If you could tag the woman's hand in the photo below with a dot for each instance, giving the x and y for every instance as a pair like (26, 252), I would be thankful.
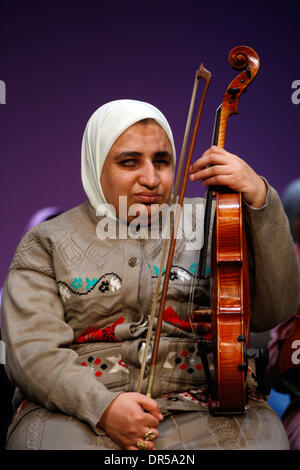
(219, 167)
(129, 417)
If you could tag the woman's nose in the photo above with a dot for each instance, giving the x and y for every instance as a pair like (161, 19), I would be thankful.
(149, 176)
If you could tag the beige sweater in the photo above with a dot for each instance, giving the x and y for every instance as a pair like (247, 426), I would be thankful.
(65, 286)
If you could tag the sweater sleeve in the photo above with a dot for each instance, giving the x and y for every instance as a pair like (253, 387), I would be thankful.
(274, 270)
(36, 335)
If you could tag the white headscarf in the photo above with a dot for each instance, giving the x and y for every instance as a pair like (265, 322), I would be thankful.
(103, 128)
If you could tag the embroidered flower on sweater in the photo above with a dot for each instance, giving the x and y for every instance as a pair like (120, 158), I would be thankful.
(103, 334)
(183, 275)
(90, 283)
(104, 286)
(113, 364)
(107, 282)
(115, 284)
(76, 283)
(64, 292)
(194, 268)
(200, 396)
(156, 270)
(173, 276)
(171, 317)
(188, 361)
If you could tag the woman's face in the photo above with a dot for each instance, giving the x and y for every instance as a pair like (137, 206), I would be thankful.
(139, 166)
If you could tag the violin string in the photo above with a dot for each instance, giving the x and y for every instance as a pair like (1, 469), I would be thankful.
(191, 300)
(165, 245)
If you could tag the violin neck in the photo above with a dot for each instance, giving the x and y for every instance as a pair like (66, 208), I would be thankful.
(215, 139)
(208, 203)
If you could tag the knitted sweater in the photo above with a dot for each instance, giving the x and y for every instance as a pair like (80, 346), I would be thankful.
(75, 308)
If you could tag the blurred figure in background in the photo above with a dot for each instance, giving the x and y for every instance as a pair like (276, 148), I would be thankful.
(6, 387)
(41, 215)
(291, 204)
(282, 333)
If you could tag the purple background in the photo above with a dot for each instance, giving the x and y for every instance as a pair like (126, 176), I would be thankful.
(62, 60)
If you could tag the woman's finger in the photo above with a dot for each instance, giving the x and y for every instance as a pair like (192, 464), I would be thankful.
(141, 444)
(211, 171)
(150, 405)
(216, 150)
(209, 160)
(151, 434)
(220, 180)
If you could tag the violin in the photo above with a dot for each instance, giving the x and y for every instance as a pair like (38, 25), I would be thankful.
(230, 291)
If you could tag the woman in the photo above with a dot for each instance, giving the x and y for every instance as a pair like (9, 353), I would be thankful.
(76, 307)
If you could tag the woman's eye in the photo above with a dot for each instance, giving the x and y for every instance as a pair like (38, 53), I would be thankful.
(162, 161)
(128, 162)
(134, 162)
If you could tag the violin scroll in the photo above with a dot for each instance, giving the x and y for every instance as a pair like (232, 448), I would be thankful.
(241, 57)
(246, 60)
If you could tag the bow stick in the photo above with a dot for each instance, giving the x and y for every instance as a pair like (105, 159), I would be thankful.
(165, 245)
(206, 75)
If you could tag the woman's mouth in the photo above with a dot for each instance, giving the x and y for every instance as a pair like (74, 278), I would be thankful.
(146, 198)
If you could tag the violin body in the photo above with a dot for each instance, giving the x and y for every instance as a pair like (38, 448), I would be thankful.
(230, 305)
